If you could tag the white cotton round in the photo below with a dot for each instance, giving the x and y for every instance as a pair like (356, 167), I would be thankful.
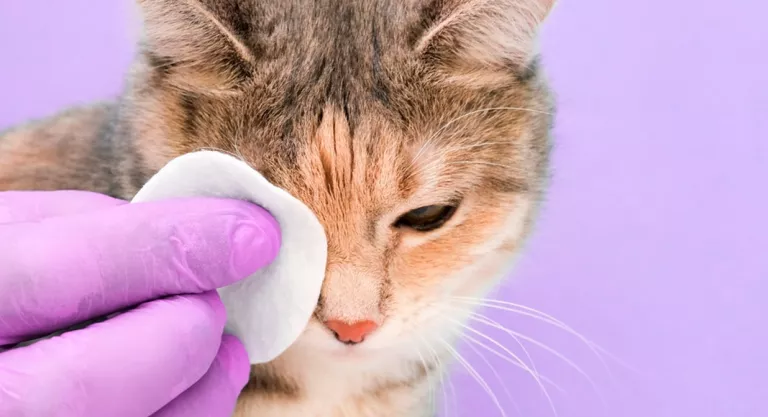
(269, 310)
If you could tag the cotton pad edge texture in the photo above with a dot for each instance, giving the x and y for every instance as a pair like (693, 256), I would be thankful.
(269, 310)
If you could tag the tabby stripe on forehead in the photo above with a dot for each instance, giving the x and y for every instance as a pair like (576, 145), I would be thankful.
(380, 88)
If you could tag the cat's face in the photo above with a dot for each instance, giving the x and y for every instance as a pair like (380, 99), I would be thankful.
(417, 131)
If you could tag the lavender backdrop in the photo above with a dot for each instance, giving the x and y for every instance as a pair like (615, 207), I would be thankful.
(653, 244)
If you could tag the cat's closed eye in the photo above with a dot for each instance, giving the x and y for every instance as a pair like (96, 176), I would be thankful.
(427, 218)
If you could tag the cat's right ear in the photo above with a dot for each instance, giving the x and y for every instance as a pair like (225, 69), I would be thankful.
(193, 47)
(480, 36)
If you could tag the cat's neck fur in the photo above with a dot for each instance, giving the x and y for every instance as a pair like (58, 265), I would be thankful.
(302, 384)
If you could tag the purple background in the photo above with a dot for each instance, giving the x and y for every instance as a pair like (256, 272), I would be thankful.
(653, 243)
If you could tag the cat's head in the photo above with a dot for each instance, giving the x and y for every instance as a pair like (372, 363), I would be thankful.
(416, 130)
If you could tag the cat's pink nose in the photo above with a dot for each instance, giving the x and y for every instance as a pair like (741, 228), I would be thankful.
(351, 333)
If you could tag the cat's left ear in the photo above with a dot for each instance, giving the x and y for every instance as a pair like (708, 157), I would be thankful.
(195, 44)
(470, 35)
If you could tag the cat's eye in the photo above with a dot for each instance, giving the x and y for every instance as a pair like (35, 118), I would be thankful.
(427, 218)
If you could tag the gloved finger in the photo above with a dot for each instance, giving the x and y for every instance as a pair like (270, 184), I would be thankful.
(28, 206)
(130, 365)
(215, 395)
(62, 271)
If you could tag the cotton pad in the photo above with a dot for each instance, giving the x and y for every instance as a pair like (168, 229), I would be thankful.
(268, 310)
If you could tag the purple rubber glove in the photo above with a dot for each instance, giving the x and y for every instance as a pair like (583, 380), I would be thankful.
(68, 257)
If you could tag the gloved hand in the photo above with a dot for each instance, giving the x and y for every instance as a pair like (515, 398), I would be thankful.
(68, 257)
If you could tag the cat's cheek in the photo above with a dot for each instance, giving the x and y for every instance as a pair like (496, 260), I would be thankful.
(442, 308)
(509, 226)
(494, 255)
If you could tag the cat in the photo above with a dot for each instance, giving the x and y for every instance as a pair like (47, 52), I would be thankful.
(418, 131)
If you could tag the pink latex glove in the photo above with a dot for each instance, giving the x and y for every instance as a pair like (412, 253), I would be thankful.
(68, 257)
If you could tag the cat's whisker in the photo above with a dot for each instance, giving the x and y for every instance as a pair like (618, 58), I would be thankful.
(533, 374)
(472, 146)
(538, 315)
(480, 163)
(442, 378)
(518, 362)
(465, 115)
(509, 360)
(452, 150)
(431, 392)
(480, 318)
(498, 378)
(517, 340)
(546, 318)
(511, 304)
(440, 364)
(474, 374)
(446, 151)
(454, 395)
(419, 152)
(485, 110)
(432, 164)
(428, 167)
(459, 148)
(469, 312)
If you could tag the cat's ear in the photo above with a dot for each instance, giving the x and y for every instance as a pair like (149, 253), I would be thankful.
(481, 34)
(190, 43)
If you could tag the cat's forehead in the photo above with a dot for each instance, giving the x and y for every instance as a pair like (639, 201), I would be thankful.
(345, 53)
(379, 166)
(299, 20)
(363, 166)
(399, 118)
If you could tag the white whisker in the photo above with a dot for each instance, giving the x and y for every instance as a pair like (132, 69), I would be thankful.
(475, 375)
(431, 392)
(439, 364)
(465, 115)
(509, 360)
(498, 378)
(481, 163)
(516, 339)
(535, 376)
(472, 146)
(519, 343)
(536, 314)
(492, 323)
